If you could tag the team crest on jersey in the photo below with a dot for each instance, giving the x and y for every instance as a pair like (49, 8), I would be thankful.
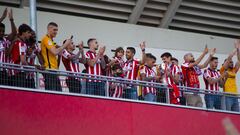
(50, 42)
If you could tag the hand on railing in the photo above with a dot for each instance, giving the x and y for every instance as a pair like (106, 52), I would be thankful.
(40, 67)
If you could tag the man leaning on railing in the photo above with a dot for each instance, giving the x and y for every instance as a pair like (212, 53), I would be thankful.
(230, 85)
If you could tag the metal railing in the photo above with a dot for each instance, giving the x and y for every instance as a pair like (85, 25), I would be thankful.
(114, 87)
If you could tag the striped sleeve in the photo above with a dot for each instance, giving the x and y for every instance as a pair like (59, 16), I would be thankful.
(142, 70)
(87, 56)
(176, 70)
(65, 54)
(206, 74)
(37, 49)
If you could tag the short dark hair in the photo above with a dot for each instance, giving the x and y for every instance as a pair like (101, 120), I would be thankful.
(173, 58)
(153, 57)
(52, 24)
(24, 28)
(131, 49)
(2, 25)
(90, 40)
(214, 58)
(166, 54)
(119, 49)
(149, 55)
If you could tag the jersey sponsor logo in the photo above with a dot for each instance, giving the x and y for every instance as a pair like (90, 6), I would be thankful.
(50, 42)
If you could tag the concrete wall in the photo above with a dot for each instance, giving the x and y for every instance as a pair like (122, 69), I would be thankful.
(113, 34)
(26, 112)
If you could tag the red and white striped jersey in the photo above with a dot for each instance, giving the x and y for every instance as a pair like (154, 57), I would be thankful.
(120, 61)
(117, 90)
(131, 69)
(149, 72)
(96, 69)
(31, 56)
(19, 49)
(174, 71)
(70, 65)
(209, 73)
(4, 44)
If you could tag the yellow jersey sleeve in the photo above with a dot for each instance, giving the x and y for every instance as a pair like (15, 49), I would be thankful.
(222, 69)
(48, 43)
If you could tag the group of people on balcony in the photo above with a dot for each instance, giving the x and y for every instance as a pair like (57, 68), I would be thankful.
(20, 47)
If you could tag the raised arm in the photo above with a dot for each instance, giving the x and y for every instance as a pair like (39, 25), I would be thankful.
(199, 59)
(143, 47)
(237, 46)
(83, 58)
(205, 64)
(13, 34)
(80, 51)
(57, 51)
(229, 58)
(103, 62)
(92, 62)
(4, 15)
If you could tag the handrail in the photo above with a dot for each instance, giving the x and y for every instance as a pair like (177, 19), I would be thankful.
(109, 79)
(159, 86)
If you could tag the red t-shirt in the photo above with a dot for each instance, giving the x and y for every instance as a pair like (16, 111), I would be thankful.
(19, 48)
(190, 76)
